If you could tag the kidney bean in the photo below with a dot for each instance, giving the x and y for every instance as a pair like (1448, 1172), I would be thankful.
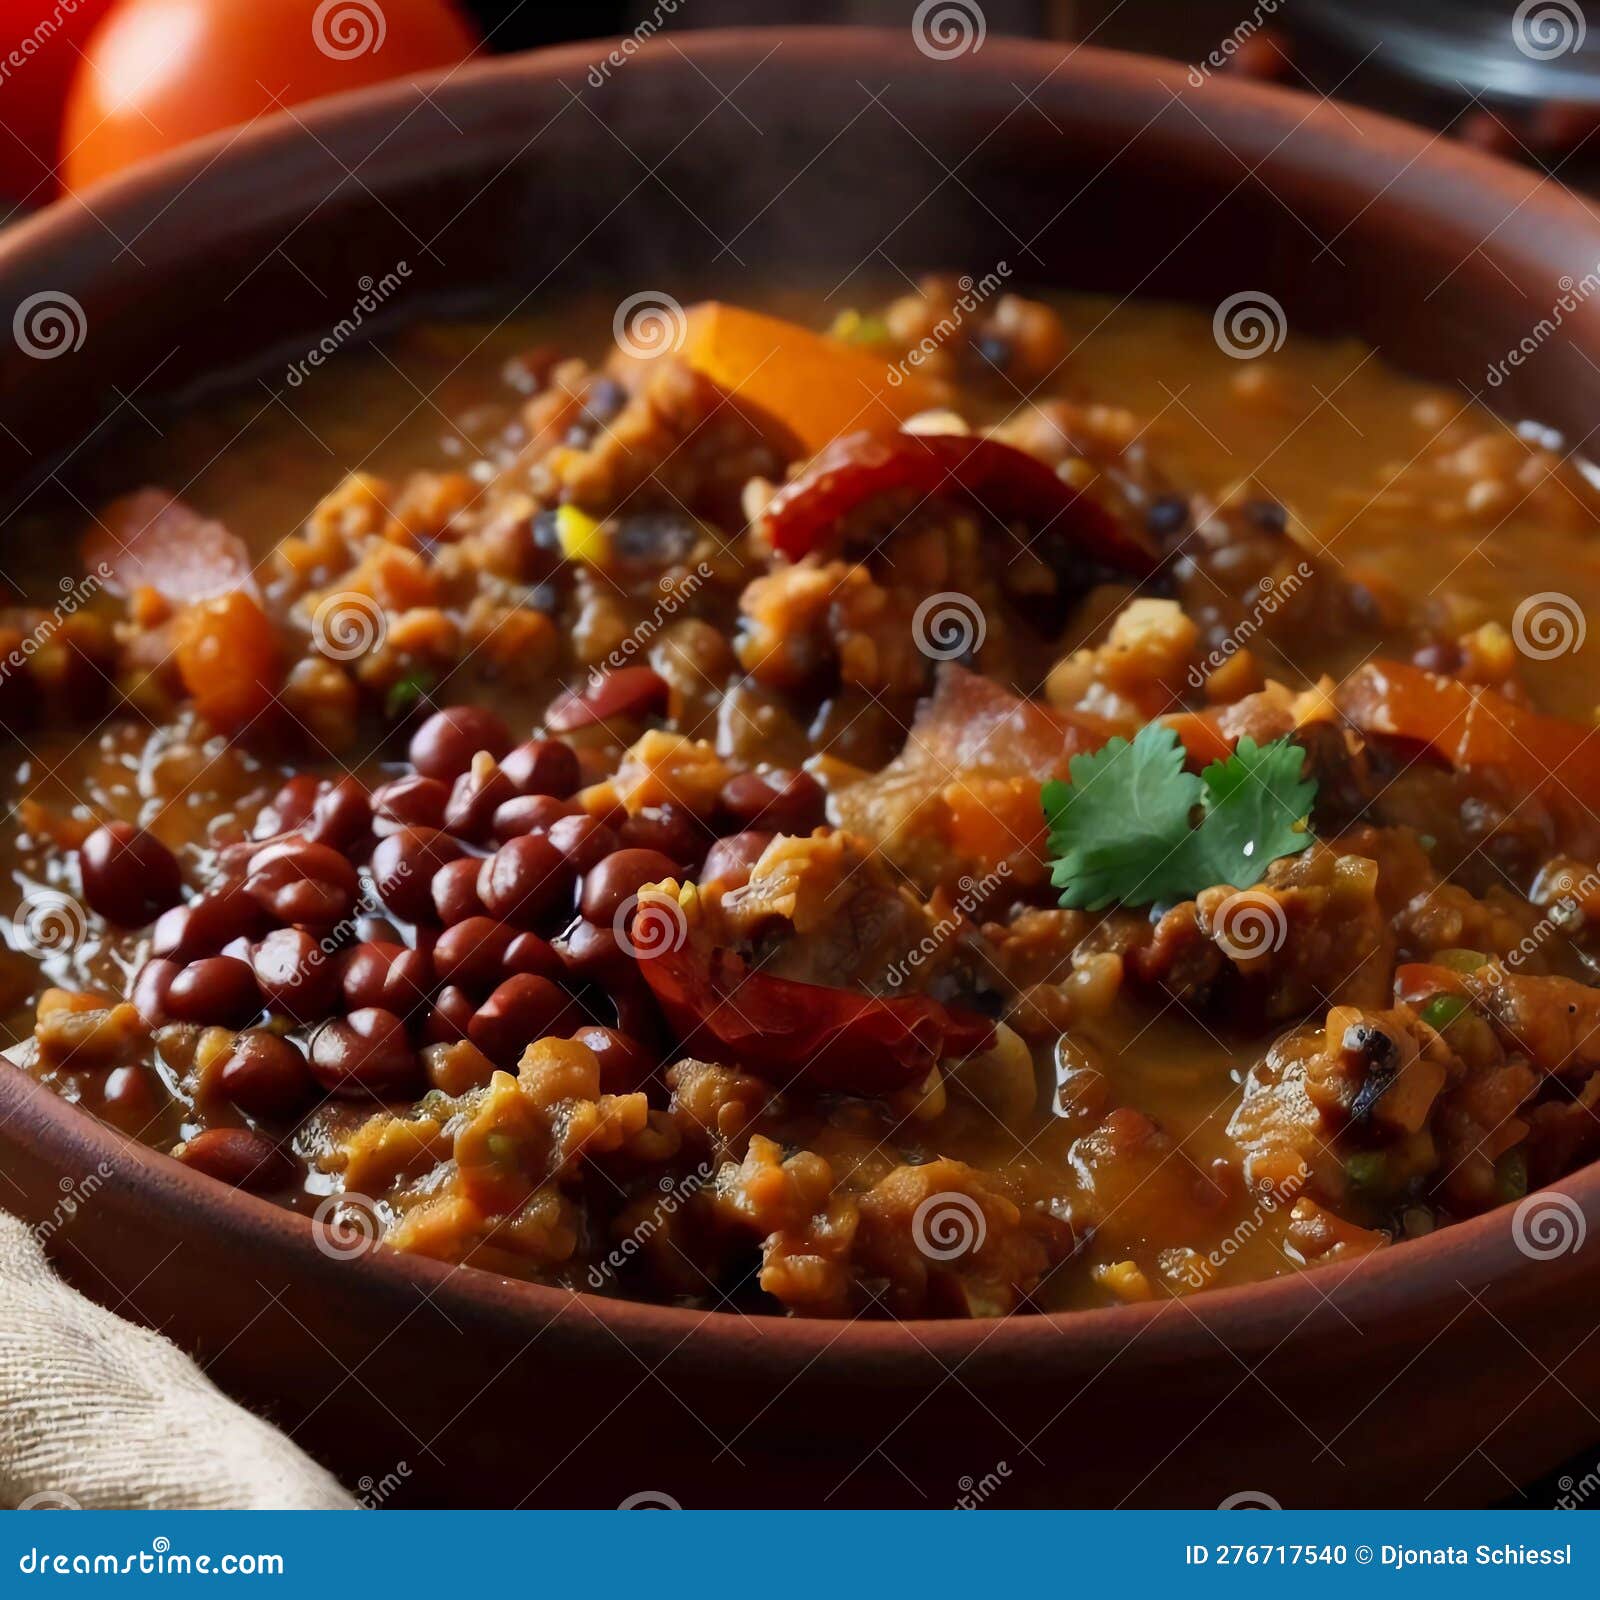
(216, 989)
(455, 891)
(238, 1157)
(625, 1064)
(130, 1092)
(265, 1076)
(297, 881)
(592, 954)
(443, 747)
(584, 841)
(778, 802)
(522, 1009)
(343, 813)
(451, 1016)
(523, 878)
(388, 976)
(543, 766)
(627, 692)
(366, 1053)
(289, 808)
(530, 813)
(409, 802)
(208, 922)
(403, 866)
(669, 828)
(535, 956)
(472, 954)
(474, 799)
(729, 860)
(296, 974)
(129, 876)
(150, 988)
(620, 875)
(377, 930)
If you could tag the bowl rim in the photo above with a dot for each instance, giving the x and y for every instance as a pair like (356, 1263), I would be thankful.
(1391, 1284)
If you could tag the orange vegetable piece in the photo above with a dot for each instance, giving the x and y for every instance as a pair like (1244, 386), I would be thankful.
(1472, 728)
(228, 657)
(812, 388)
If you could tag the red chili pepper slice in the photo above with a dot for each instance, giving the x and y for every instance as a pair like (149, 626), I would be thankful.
(783, 1030)
(1004, 480)
(627, 692)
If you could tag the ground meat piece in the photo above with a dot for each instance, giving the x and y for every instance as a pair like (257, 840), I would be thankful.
(1555, 1022)
(1179, 956)
(945, 1240)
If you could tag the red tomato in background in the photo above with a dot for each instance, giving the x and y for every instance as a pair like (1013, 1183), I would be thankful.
(40, 45)
(159, 73)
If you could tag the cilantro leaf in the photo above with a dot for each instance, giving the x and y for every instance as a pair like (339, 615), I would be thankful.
(1123, 829)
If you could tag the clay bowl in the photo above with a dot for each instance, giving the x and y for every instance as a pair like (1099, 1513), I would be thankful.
(1442, 1372)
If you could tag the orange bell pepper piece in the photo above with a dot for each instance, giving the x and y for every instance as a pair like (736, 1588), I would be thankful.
(1473, 728)
(811, 388)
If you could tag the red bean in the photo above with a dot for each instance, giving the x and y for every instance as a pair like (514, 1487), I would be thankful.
(627, 692)
(289, 808)
(130, 1091)
(455, 891)
(208, 922)
(451, 1016)
(388, 976)
(238, 1157)
(301, 882)
(403, 866)
(409, 802)
(265, 1076)
(543, 766)
(618, 877)
(150, 989)
(472, 954)
(730, 860)
(377, 930)
(296, 974)
(519, 1011)
(343, 813)
(625, 1064)
(531, 954)
(366, 1053)
(669, 828)
(443, 747)
(129, 876)
(777, 802)
(584, 841)
(220, 990)
(474, 799)
(523, 878)
(530, 813)
(593, 954)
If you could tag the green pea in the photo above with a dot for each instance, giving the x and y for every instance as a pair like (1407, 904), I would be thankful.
(1442, 1010)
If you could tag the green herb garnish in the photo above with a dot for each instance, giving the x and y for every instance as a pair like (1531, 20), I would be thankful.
(1123, 829)
(1442, 1010)
(404, 694)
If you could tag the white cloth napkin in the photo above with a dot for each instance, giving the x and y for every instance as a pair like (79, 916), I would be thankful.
(97, 1413)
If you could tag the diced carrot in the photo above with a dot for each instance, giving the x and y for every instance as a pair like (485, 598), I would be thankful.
(1199, 734)
(812, 388)
(993, 819)
(229, 659)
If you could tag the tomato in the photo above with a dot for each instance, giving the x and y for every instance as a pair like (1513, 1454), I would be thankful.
(158, 73)
(40, 45)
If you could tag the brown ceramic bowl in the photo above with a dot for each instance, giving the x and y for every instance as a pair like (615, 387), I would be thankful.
(1443, 1372)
